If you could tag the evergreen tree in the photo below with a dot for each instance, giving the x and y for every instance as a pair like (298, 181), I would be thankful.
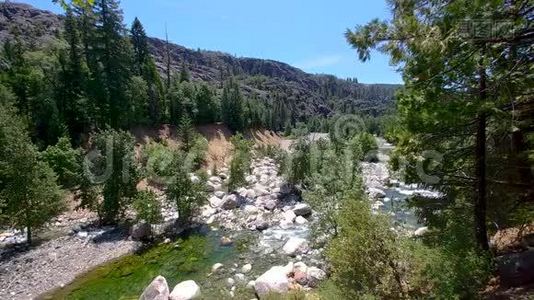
(114, 53)
(145, 67)
(206, 105)
(29, 194)
(186, 131)
(117, 156)
(457, 98)
(232, 109)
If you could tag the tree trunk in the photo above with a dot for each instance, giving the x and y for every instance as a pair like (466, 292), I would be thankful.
(29, 235)
(480, 168)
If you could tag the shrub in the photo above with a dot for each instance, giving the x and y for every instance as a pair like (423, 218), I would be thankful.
(240, 161)
(147, 207)
(115, 153)
(158, 160)
(65, 161)
(366, 256)
(186, 194)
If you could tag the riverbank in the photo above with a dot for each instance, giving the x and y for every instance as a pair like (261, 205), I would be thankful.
(58, 262)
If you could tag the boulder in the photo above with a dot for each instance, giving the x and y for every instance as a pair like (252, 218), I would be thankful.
(213, 187)
(314, 275)
(216, 267)
(295, 246)
(289, 216)
(230, 201)
(246, 268)
(273, 281)
(420, 231)
(240, 278)
(261, 224)
(377, 193)
(185, 290)
(270, 204)
(215, 201)
(260, 190)
(215, 179)
(250, 284)
(219, 194)
(301, 220)
(302, 209)
(300, 267)
(141, 231)
(225, 241)
(158, 289)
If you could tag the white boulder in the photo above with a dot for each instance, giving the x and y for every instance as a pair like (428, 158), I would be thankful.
(420, 231)
(158, 289)
(216, 267)
(295, 246)
(186, 290)
(246, 268)
(273, 281)
(301, 220)
(302, 209)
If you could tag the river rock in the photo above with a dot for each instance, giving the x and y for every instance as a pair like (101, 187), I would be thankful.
(289, 216)
(185, 290)
(219, 194)
(215, 201)
(225, 241)
(216, 267)
(301, 220)
(230, 282)
(230, 202)
(250, 284)
(314, 275)
(300, 267)
(141, 231)
(260, 190)
(240, 278)
(215, 179)
(270, 204)
(273, 281)
(158, 289)
(295, 246)
(420, 231)
(246, 268)
(302, 209)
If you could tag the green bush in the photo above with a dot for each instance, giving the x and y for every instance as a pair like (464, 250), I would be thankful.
(65, 161)
(147, 207)
(158, 159)
(186, 194)
(240, 164)
(366, 256)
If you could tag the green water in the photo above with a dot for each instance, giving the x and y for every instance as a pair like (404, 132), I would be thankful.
(188, 258)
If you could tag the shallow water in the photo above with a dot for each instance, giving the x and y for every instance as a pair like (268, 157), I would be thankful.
(190, 257)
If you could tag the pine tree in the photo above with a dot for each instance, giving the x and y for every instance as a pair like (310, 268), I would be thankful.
(232, 107)
(186, 131)
(120, 185)
(206, 105)
(29, 194)
(115, 55)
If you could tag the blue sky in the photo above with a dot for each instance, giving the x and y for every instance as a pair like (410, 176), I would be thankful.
(304, 33)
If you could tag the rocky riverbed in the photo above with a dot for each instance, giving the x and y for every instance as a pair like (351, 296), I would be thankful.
(264, 225)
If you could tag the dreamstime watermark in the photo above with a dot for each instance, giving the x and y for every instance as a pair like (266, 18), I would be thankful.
(483, 29)
(99, 165)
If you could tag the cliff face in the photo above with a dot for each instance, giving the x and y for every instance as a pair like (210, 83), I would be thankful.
(305, 93)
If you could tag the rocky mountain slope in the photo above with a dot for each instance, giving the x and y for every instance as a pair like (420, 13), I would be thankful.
(305, 93)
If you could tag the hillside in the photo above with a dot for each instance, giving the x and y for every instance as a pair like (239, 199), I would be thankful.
(306, 94)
